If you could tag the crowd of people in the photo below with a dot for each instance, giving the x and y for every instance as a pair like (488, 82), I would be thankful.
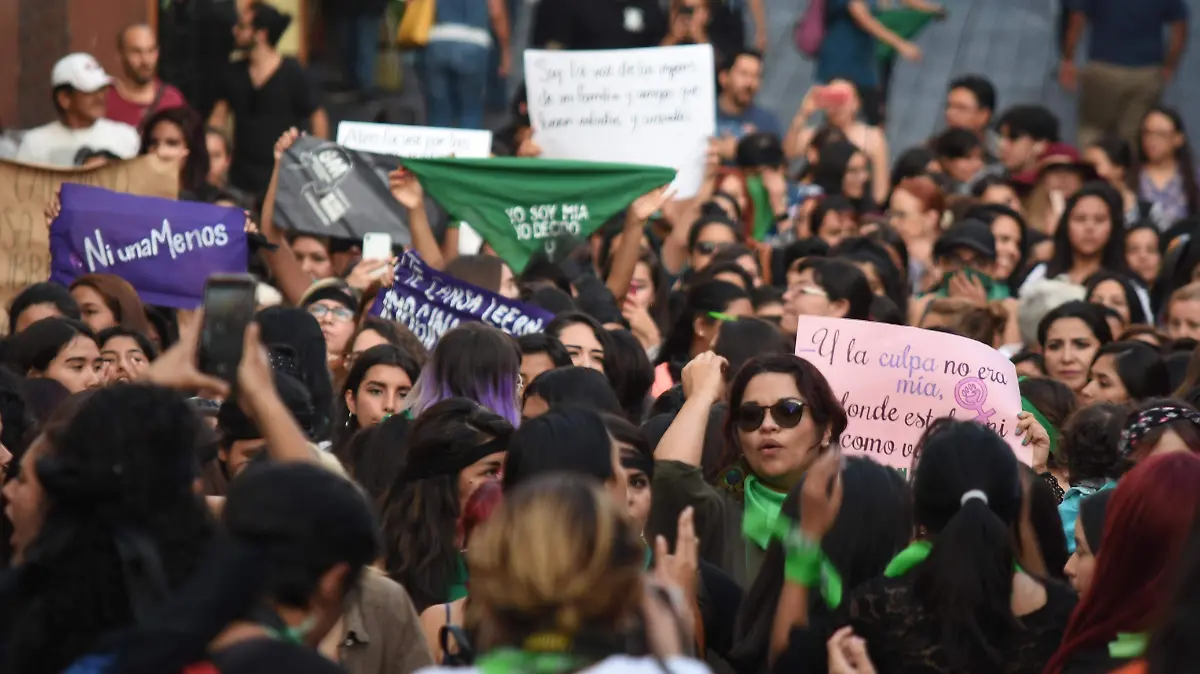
(654, 481)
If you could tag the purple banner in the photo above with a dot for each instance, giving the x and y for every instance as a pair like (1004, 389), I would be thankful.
(166, 249)
(431, 303)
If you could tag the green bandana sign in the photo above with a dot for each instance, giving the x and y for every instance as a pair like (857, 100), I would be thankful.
(520, 205)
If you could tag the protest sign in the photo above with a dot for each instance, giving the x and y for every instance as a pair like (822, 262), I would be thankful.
(165, 249)
(642, 106)
(395, 140)
(414, 141)
(894, 380)
(521, 206)
(431, 303)
(328, 190)
(25, 191)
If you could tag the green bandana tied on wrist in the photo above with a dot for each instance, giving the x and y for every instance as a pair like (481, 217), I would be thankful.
(1128, 646)
(760, 510)
(805, 563)
(521, 206)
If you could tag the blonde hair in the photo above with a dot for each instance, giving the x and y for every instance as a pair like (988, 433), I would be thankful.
(557, 556)
(982, 324)
(1188, 293)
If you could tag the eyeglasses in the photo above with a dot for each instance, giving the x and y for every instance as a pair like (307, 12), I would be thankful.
(787, 413)
(808, 290)
(319, 311)
(710, 247)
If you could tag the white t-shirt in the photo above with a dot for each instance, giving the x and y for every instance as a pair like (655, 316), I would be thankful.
(56, 145)
(616, 664)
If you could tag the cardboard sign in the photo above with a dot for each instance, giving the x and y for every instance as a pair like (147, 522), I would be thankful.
(431, 304)
(24, 192)
(165, 249)
(641, 106)
(894, 380)
(414, 141)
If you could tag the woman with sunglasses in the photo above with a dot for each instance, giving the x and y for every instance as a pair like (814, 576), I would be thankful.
(783, 417)
(332, 303)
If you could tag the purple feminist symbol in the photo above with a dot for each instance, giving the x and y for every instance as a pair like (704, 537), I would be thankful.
(971, 394)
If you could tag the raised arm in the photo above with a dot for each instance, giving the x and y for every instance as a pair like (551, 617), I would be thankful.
(703, 383)
(624, 261)
(290, 278)
(407, 190)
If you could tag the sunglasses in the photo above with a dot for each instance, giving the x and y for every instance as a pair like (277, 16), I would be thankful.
(319, 311)
(710, 247)
(787, 413)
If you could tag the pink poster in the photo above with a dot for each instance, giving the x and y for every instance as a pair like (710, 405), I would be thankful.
(894, 380)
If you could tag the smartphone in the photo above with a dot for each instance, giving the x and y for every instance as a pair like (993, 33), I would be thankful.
(229, 306)
(833, 97)
(377, 246)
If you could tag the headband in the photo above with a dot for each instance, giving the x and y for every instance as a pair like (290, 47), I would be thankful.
(453, 460)
(1150, 419)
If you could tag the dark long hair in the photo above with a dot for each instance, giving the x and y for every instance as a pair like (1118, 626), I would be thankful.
(473, 361)
(118, 480)
(966, 582)
(1112, 257)
(1142, 369)
(873, 525)
(194, 178)
(702, 299)
(421, 509)
(297, 329)
(573, 385)
(1149, 517)
(1183, 158)
(830, 171)
(1137, 313)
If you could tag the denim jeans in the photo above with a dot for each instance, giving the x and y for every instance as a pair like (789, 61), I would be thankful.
(455, 77)
(360, 48)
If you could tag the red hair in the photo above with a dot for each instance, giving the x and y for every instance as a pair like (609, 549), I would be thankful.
(479, 508)
(926, 191)
(1148, 522)
(747, 222)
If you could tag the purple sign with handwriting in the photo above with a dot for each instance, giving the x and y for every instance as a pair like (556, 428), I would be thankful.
(432, 303)
(165, 249)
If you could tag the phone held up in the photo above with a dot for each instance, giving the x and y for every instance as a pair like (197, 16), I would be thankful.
(229, 305)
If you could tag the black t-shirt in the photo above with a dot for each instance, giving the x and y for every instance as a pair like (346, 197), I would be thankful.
(272, 656)
(261, 116)
(599, 24)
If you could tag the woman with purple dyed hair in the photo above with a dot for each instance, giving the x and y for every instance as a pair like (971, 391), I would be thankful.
(476, 362)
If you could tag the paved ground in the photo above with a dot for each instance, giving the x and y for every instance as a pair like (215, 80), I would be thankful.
(1011, 41)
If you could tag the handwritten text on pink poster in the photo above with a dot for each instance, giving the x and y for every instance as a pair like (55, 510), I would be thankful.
(894, 380)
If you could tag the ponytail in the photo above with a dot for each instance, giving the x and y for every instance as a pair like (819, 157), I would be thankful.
(967, 494)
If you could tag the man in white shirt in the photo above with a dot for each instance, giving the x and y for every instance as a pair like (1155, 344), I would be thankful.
(80, 86)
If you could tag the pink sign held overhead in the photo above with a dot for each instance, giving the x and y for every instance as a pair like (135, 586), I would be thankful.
(895, 380)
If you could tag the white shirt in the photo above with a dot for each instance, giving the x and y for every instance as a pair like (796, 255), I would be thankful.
(56, 145)
(616, 664)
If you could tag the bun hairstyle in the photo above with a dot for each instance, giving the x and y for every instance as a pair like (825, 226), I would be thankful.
(557, 557)
(967, 494)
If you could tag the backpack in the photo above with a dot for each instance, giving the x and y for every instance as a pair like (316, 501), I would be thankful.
(810, 29)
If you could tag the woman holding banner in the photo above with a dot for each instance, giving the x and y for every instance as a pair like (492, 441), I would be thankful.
(783, 417)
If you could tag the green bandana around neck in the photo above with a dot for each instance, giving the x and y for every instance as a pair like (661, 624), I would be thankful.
(521, 206)
(1128, 645)
(457, 588)
(760, 510)
(764, 213)
(515, 661)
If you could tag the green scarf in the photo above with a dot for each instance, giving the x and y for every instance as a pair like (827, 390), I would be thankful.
(907, 23)
(457, 589)
(514, 661)
(1128, 646)
(1041, 419)
(760, 509)
(521, 206)
(764, 212)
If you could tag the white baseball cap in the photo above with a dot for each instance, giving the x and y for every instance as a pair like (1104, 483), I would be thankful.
(80, 71)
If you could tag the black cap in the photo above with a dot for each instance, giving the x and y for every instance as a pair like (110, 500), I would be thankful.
(759, 149)
(967, 233)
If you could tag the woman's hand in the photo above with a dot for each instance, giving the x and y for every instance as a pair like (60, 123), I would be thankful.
(53, 208)
(256, 380)
(1036, 437)
(679, 570)
(704, 377)
(641, 325)
(821, 496)
(285, 142)
(848, 654)
(648, 204)
(367, 272)
(967, 287)
(406, 188)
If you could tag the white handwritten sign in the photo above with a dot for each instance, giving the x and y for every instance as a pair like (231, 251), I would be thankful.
(651, 106)
(414, 141)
